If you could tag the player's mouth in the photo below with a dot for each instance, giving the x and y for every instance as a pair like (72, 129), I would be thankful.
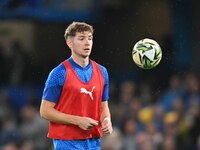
(86, 49)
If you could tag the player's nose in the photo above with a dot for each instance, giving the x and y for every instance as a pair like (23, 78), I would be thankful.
(88, 41)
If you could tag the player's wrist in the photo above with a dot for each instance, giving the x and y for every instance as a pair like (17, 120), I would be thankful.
(75, 120)
(107, 118)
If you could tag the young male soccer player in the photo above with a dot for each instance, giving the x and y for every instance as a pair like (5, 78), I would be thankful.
(75, 97)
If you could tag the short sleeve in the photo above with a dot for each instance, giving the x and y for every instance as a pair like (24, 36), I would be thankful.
(54, 84)
(104, 71)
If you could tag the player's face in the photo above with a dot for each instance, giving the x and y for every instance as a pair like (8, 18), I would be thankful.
(81, 44)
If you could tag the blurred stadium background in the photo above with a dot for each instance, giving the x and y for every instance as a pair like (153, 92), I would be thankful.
(156, 109)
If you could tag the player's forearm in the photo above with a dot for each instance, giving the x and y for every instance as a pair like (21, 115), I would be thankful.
(105, 112)
(106, 124)
(56, 116)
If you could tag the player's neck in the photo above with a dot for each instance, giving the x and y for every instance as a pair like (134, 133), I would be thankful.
(83, 62)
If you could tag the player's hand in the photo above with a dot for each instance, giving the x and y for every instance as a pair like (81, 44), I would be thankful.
(87, 123)
(106, 126)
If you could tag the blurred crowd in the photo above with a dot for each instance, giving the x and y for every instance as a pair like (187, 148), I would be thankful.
(21, 127)
(144, 117)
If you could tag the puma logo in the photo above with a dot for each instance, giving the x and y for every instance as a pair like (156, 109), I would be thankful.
(83, 90)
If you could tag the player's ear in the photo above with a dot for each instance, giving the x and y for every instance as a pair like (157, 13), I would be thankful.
(69, 43)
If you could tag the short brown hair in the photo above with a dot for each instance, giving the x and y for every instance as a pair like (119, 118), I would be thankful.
(75, 27)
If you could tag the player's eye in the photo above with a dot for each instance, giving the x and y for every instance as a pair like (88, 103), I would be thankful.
(81, 38)
(90, 38)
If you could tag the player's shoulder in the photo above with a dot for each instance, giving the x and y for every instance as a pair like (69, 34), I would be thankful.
(59, 68)
(104, 72)
(101, 66)
(58, 71)
(103, 69)
(57, 75)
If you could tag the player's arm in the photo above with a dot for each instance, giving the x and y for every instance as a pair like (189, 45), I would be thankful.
(51, 94)
(106, 124)
(48, 112)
